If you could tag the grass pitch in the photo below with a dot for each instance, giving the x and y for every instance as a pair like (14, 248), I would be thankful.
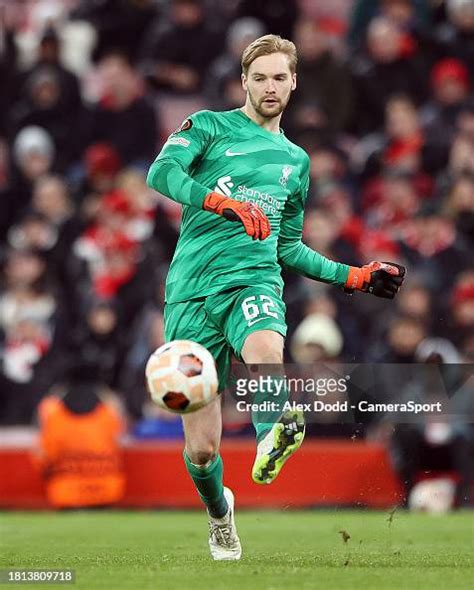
(287, 550)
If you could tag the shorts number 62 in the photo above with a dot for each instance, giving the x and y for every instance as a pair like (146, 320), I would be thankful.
(254, 306)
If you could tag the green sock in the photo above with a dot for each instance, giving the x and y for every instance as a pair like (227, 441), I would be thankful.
(208, 481)
(264, 419)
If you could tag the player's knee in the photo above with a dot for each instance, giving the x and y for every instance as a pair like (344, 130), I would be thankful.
(202, 454)
(272, 357)
(263, 347)
(267, 357)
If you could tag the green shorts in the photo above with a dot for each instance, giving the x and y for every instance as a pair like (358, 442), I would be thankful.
(221, 322)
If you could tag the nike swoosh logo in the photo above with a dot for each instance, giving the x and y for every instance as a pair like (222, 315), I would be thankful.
(229, 153)
(251, 323)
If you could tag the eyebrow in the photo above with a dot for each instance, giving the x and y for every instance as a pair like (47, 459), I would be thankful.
(255, 74)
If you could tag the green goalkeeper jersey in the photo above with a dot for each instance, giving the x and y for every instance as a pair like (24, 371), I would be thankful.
(228, 153)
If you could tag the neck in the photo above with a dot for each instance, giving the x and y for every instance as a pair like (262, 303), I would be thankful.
(271, 124)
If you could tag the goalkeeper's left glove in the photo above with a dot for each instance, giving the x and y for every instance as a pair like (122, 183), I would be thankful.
(382, 279)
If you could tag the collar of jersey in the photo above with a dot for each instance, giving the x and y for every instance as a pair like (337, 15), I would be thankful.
(278, 137)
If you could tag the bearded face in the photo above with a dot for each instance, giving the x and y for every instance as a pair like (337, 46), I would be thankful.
(269, 83)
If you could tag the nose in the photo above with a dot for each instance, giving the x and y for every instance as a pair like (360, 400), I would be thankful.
(270, 88)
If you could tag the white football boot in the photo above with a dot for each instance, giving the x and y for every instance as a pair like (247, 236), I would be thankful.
(224, 542)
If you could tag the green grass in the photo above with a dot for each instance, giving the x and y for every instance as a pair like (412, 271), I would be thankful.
(168, 550)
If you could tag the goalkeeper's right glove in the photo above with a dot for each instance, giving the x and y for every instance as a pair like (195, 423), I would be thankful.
(254, 220)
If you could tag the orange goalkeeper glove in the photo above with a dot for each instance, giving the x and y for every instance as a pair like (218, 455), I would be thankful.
(382, 279)
(254, 220)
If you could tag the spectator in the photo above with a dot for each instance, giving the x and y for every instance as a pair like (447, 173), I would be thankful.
(8, 71)
(435, 444)
(119, 24)
(146, 215)
(25, 292)
(100, 340)
(455, 38)
(173, 65)
(137, 200)
(413, 16)
(329, 164)
(110, 255)
(459, 205)
(41, 106)
(322, 304)
(402, 340)
(400, 148)
(49, 59)
(101, 167)
(450, 83)
(34, 232)
(279, 17)
(123, 116)
(223, 84)
(416, 301)
(460, 324)
(459, 163)
(117, 266)
(385, 68)
(33, 156)
(432, 244)
(317, 338)
(465, 120)
(391, 200)
(52, 200)
(31, 325)
(148, 336)
(49, 97)
(356, 315)
(321, 231)
(324, 83)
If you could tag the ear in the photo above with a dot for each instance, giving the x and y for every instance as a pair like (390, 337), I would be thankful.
(293, 82)
(243, 78)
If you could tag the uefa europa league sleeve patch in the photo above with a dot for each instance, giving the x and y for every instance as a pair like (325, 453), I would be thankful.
(185, 126)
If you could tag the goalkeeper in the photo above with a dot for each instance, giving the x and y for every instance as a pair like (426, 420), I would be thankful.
(243, 187)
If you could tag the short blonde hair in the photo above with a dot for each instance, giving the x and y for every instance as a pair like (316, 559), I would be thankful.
(267, 45)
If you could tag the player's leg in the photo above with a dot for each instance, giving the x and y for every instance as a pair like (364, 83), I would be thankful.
(280, 435)
(188, 321)
(264, 350)
(202, 432)
(253, 320)
(202, 429)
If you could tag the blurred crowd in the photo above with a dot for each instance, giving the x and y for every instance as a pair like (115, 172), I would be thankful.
(90, 90)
